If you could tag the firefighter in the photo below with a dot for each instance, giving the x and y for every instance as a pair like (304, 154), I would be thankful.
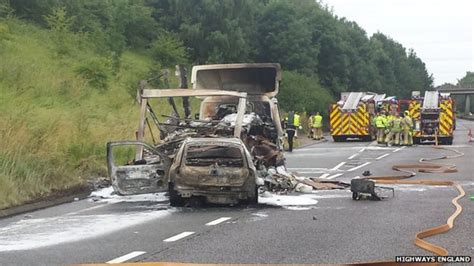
(407, 124)
(292, 122)
(395, 126)
(310, 126)
(297, 124)
(318, 126)
(388, 125)
(380, 122)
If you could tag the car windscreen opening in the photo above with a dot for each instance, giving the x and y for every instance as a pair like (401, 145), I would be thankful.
(206, 155)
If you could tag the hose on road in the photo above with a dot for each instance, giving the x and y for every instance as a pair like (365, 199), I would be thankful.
(426, 166)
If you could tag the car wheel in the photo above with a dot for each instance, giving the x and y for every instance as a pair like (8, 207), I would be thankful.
(252, 200)
(175, 199)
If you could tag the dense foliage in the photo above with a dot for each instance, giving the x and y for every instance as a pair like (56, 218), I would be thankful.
(304, 36)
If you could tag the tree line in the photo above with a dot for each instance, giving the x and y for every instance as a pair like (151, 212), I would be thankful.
(321, 54)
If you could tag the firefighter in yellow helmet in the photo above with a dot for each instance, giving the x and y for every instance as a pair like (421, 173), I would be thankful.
(407, 125)
(317, 126)
(380, 122)
(395, 126)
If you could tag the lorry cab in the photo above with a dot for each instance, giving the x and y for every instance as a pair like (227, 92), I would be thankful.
(260, 81)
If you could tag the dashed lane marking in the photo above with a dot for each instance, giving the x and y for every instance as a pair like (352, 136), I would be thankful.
(126, 257)
(218, 221)
(357, 167)
(382, 156)
(178, 236)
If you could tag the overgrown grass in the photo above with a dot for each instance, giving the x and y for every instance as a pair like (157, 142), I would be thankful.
(54, 122)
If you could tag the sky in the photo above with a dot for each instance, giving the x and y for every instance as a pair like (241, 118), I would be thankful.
(440, 31)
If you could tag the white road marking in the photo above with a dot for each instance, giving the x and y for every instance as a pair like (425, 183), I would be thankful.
(218, 221)
(334, 176)
(178, 236)
(339, 165)
(308, 169)
(357, 167)
(324, 175)
(357, 177)
(353, 156)
(382, 156)
(401, 148)
(363, 149)
(126, 257)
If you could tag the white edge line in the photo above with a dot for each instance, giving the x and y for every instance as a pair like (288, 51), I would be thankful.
(339, 165)
(178, 236)
(334, 176)
(126, 257)
(353, 156)
(382, 156)
(218, 221)
(357, 167)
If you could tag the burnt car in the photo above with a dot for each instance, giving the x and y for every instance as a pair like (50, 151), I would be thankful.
(214, 155)
(218, 170)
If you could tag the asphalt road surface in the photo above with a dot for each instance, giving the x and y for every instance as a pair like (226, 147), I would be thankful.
(322, 227)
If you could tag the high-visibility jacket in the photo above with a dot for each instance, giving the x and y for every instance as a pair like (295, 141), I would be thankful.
(388, 120)
(380, 121)
(407, 123)
(317, 121)
(296, 121)
(310, 121)
(396, 124)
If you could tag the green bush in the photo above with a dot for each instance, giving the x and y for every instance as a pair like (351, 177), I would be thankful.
(96, 72)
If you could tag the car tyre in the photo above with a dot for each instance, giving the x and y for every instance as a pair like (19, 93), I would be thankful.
(175, 199)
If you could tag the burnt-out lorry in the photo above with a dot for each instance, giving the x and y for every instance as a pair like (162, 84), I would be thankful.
(214, 155)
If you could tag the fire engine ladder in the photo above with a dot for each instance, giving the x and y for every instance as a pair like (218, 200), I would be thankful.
(430, 101)
(352, 101)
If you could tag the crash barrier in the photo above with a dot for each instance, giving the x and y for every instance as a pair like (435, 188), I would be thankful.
(425, 166)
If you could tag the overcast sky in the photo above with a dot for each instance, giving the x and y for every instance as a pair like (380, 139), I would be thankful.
(440, 31)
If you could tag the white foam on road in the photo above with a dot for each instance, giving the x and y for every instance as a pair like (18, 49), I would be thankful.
(297, 208)
(42, 232)
(108, 195)
(287, 200)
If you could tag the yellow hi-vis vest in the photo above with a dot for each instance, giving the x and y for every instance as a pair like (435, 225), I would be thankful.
(296, 121)
(380, 121)
(317, 121)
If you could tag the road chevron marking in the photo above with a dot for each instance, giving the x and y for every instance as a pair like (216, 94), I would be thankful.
(357, 167)
(382, 156)
(353, 156)
(334, 176)
(218, 221)
(178, 236)
(126, 257)
(339, 165)
(401, 148)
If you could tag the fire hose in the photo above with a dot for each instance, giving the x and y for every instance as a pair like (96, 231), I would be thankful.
(426, 166)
